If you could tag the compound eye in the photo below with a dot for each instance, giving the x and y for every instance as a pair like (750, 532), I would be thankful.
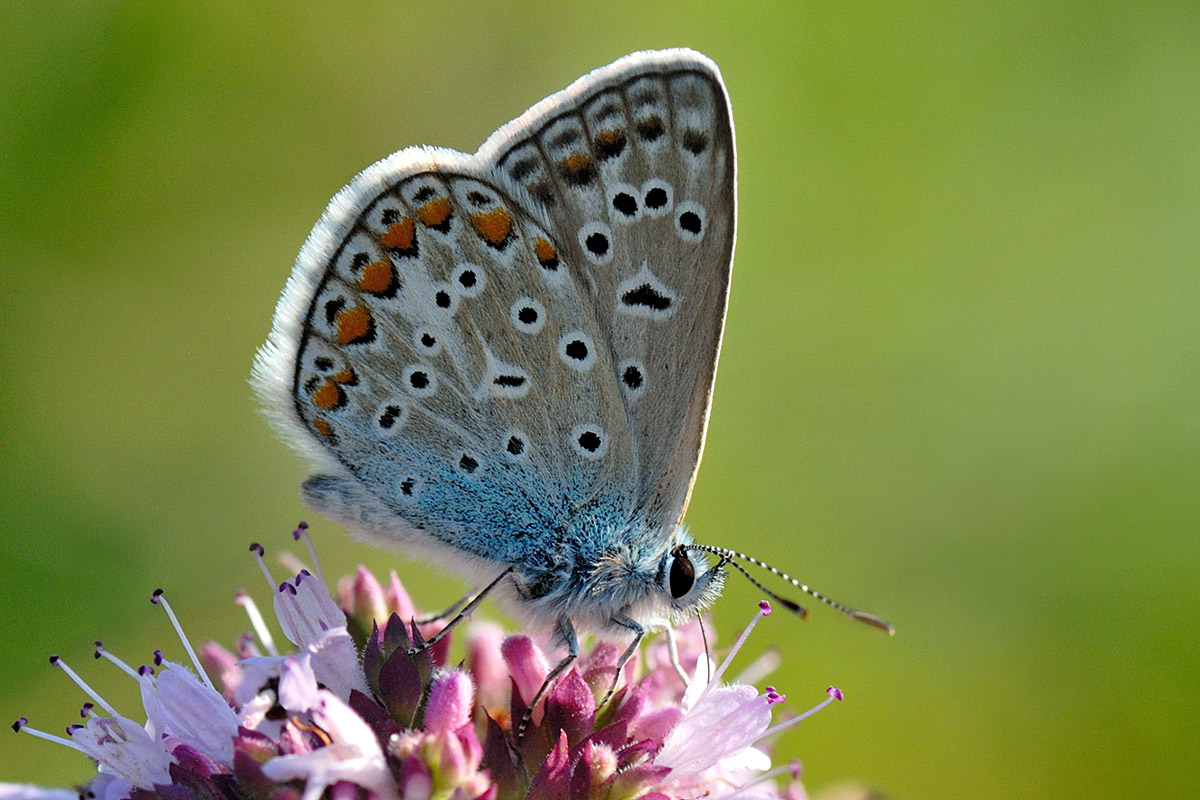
(683, 575)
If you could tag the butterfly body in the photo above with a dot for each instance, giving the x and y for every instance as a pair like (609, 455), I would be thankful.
(504, 361)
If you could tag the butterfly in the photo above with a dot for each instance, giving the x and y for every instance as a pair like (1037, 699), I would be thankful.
(504, 361)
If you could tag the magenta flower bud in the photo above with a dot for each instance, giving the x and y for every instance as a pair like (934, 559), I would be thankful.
(398, 599)
(452, 766)
(601, 764)
(363, 598)
(526, 663)
(451, 700)
(486, 664)
(222, 664)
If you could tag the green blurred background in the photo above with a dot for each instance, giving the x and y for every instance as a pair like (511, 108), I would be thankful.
(960, 384)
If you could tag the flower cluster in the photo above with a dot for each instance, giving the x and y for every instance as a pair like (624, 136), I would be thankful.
(361, 708)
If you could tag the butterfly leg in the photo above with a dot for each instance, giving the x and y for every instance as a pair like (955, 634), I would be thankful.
(638, 634)
(567, 631)
(445, 613)
(466, 612)
(673, 653)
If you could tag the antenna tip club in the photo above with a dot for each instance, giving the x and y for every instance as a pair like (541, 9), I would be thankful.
(874, 622)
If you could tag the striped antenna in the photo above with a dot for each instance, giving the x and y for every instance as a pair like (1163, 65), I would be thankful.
(728, 556)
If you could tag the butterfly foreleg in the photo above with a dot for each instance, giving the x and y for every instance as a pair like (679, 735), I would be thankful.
(466, 612)
(567, 631)
(638, 634)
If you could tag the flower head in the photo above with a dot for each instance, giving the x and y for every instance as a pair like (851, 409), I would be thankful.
(360, 705)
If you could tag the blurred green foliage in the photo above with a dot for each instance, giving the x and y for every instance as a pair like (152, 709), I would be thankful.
(959, 385)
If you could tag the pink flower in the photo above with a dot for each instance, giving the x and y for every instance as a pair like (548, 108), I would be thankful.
(359, 706)
(351, 753)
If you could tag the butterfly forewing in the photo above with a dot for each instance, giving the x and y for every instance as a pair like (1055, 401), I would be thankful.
(634, 165)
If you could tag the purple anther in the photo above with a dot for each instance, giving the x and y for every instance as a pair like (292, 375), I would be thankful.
(155, 595)
(257, 549)
(21, 723)
(835, 693)
(764, 607)
(158, 658)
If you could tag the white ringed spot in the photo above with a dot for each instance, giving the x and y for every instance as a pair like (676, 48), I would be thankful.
(468, 279)
(589, 441)
(419, 380)
(577, 351)
(596, 240)
(527, 315)
(690, 221)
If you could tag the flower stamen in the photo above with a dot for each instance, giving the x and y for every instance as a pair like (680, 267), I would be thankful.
(257, 622)
(834, 694)
(82, 684)
(158, 598)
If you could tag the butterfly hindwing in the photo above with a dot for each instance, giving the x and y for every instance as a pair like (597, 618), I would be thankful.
(450, 364)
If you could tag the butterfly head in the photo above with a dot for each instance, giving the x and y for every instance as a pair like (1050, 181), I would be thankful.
(634, 580)
(688, 582)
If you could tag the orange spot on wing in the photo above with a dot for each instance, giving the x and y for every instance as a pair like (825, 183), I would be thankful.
(610, 137)
(435, 213)
(400, 235)
(547, 256)
(355, 325)
(322, 427)
(494, 226)
(578, 169)
(577, 162)
(610, 143)
(346, 376)
(378, 277)
(328, 395)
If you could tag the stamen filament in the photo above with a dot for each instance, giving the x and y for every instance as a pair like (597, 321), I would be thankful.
(121, 665)
(82, 684)
(301, 532)
(834, 694)
(257, 622)
(764, 609)
(258, 551)
(20, 727)
(158, 599)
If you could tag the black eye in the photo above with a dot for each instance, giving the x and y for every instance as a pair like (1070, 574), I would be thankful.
(683, 575)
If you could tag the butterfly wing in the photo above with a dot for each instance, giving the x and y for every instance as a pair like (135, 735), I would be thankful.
(634, 165)
(485, 354)
(438, 358)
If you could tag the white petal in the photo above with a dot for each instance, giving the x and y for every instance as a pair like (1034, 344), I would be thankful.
(27, 791)
(298, 685)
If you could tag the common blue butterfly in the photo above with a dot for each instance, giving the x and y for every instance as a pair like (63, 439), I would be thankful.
(504, 361)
